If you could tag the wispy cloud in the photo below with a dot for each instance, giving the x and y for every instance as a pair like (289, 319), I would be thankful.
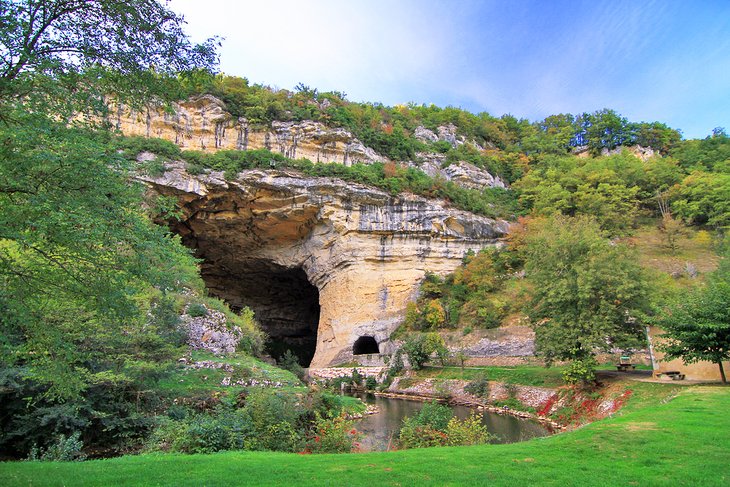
(650, 60)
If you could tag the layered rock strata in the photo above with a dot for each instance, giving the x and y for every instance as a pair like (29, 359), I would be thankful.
(318, 257)
(203, 123)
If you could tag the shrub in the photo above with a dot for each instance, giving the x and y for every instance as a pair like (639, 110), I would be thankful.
(133, 146)
(371, 383)
(155, 167)
(357, 377)
(469, 431)
(64, 449)
(413, 435)
(479, 386)
(197, 310)
(225, 429)
(290, 362)
(435, 315)
(435, 425)
(416, 350)
(267, 421)
(333, 435)
(413, 316)
(580, 371)
(435, 415)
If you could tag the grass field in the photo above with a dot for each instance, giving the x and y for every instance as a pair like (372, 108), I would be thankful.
(682, 440)
(185, 381)
(528, 375)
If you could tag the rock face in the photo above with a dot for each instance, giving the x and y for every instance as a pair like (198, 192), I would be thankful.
(211, 332)
(512, 345)
(320, 260)
(643, 153)
(462, 173)
(202, 123)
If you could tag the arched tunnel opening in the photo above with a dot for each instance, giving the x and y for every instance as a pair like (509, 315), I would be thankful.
(365, 345)
(285, 303)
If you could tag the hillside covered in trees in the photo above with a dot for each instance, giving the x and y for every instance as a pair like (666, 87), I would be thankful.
(92, 291)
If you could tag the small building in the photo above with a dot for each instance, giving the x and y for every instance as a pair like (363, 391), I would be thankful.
(696, 371)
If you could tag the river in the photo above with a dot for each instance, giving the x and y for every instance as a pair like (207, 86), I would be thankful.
(381, 430)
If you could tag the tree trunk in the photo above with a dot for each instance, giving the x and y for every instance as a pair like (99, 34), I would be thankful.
(722, 372)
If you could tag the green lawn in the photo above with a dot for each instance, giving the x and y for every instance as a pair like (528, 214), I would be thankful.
(185, 381)
(682, 441)
(530, 375)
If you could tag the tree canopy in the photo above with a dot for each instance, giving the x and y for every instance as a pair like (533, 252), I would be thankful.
(587, 293)
(90, 287)
(697, 325)
(80, 44)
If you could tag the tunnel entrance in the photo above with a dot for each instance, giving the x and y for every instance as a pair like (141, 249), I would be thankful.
(365, 345)
(285, 303)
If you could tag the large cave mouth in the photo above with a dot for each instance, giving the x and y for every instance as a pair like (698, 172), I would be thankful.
(286, 304)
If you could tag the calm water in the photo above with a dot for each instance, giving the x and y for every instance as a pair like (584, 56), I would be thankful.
(381, 429)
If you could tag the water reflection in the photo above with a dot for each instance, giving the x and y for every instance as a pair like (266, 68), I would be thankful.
(381, 430)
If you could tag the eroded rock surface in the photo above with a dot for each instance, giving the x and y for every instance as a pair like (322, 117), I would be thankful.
(211, 332)
(203, 123)
(269, 234)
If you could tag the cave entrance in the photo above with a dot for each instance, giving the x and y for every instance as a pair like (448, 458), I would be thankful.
(365, 345)
(286, 304)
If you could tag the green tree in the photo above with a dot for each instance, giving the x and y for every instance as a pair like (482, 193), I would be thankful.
(419, 348)
(587, 293)
(88, 284)
(697, 327)
(606, 129)
(78, 255)
(130, 43)
(703, 198)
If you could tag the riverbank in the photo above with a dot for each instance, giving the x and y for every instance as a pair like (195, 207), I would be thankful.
(527, 392)
(660, 439)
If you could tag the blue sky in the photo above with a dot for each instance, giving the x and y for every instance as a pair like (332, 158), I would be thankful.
(665, 60)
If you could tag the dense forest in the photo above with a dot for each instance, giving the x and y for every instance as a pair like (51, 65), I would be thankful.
(91, 290)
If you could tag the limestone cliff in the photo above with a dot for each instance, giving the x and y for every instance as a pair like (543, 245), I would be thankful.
(203, 123)
(318, 257)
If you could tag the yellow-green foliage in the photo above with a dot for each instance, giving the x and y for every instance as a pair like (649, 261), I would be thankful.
(434, 314)
(468, 297)
(469, 431)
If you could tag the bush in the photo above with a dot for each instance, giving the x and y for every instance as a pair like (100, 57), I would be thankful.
(333, 435)
(134, 146)
(469, 431)
(435, 425)
(64, 449)
(435, 415)
(225, 429)
(290, 362)
(371, 383)
(357, 377)
(478, 387)
(267, 421)
(197, 310)
(413, 435)
(418, 349)
(581, 371)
